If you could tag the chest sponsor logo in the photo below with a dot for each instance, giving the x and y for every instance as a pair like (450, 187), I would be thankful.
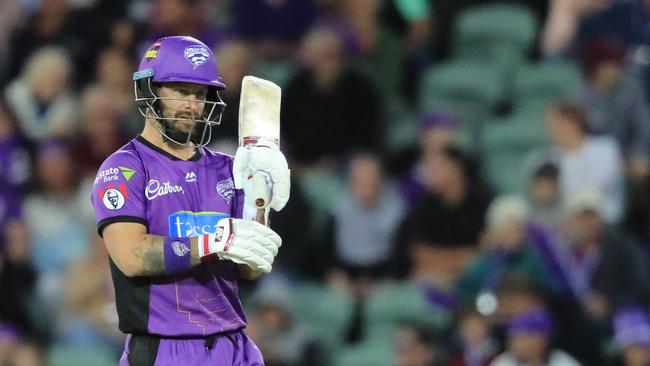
(226, 189)
(188, 223)
(114, 198)
(113, 174)
(190, 177)
(156, 189)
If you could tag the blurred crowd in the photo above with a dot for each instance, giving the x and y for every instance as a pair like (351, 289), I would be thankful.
(471, 178)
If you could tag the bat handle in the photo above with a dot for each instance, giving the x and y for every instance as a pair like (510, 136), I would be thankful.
(261, 216)
(261, 196)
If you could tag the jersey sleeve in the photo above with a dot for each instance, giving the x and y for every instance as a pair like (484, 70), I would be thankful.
(118, 190)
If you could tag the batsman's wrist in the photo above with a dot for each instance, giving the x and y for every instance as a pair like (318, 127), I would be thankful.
(216, 243)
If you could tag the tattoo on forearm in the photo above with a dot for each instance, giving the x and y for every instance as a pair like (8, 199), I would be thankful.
(150, 252)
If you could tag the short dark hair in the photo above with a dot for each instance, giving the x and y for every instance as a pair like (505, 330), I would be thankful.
(546, 170)
(573, 111)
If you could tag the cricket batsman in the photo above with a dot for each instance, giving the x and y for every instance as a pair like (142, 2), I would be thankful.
(178, 231)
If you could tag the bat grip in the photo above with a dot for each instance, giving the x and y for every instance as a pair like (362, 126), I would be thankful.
(261, 216)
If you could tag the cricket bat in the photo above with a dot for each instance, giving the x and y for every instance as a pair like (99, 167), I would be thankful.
(259, 124)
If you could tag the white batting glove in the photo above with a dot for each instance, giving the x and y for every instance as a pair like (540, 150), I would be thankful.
(242, 241)
(269, 162)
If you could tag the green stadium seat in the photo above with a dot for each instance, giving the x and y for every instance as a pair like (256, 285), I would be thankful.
(391, 304)
(498, 33)
(543, 82)
(508, 144)
(79, 355)
(466, 87)
(368, 353)
(323, 311)
(469, 89)
(321, 189)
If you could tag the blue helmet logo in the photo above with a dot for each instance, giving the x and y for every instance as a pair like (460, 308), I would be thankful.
(197, 55)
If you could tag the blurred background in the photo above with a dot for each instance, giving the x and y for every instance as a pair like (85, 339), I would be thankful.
(470, 177)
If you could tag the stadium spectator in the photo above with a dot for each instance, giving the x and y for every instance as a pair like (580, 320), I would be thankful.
(529, 342)
(235, 61)
(596, 256)
(300, 256)
(40, 97)
(365, 221)
(57, 234)
(507, 249)
(544, 196)
(274, 26)
(477, 346)
(632, 337)
(101, 134)
(515, 296)
(187, 17)
(414, 346)
(443, 228)
(615, 104)
(19, 335)
(10, 16)
(282, 340)
(15, 164)
(584, 161)
(123, 37)
(90, 318)
(324, 98)
(50, 24)
(562, 24)
(113, 73)
(437, 130)
(370, 46)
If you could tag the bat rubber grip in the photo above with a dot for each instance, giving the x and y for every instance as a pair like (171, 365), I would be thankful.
(261, 197)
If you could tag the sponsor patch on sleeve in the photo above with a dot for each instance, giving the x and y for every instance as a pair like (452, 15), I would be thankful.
(113, 198)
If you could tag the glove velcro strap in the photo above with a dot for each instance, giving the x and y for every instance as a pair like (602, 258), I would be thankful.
(218, 242)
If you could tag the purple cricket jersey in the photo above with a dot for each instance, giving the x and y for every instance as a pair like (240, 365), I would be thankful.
(173, 198)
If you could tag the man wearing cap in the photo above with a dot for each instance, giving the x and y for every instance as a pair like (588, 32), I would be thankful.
(529, 335)
(632, 336)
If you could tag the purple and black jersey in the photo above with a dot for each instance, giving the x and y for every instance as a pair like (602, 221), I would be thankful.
(173, 198)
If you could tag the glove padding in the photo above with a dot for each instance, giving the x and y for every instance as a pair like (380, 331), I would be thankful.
(272, 164)
(242, 241)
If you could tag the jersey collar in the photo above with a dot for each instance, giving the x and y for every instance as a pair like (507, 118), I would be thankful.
(197, 154)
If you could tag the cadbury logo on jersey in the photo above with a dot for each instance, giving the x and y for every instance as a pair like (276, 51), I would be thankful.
(156, 189)
(197, 55)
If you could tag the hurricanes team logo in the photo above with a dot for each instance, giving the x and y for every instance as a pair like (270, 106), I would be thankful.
(114, 198)
(197, 55)
(226, 189)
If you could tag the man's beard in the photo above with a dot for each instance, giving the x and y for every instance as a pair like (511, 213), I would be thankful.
(195, 133)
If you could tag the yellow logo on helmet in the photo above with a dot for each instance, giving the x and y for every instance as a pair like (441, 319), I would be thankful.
(152, 52)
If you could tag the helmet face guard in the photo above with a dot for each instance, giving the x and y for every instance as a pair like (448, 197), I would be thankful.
(186, 60)
(150, 104)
